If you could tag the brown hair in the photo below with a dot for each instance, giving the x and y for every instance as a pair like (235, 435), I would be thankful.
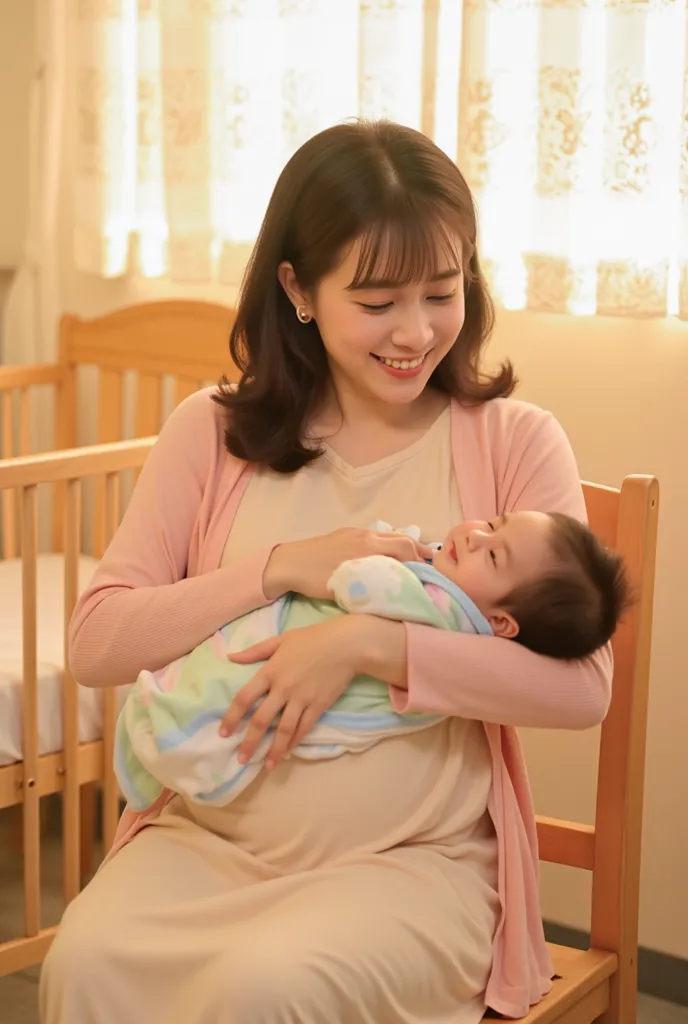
(397, 191)
(574, 610)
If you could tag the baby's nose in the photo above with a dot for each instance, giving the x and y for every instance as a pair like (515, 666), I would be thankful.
(476, 538)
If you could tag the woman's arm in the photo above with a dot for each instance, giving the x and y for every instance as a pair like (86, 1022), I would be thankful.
(497, 680)
(139, 611)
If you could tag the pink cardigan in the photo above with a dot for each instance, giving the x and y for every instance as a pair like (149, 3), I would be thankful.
(158, 592)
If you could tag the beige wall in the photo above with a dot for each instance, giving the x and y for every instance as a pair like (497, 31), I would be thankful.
(619, 389)
(15, 67)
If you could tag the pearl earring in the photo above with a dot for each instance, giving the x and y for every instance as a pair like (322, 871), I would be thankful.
(303, 315)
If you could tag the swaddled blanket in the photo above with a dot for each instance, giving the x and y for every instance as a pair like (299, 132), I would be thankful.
(168, 730)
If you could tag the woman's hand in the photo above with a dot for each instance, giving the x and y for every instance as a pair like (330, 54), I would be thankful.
(305, 671)
(305, 566)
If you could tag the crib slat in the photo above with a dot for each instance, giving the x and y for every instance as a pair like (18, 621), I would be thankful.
(71, 867)
(148, 405)
(65, 430)
(7, 424)
(24, 421)
(110, 786)
(110, 406)
(110, 428)
(9, 497)
(32, 872)
(148, 408)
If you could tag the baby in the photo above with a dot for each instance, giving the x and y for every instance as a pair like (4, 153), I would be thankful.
(542, 580)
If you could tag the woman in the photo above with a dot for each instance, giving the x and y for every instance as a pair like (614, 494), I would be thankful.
(396, 885)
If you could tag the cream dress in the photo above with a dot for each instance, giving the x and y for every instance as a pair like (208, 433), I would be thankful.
(355, 891)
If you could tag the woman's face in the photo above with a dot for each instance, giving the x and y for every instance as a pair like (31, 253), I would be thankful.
(384, 341)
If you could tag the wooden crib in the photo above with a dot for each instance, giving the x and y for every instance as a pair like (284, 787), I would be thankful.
(77, 752)
(131, 367)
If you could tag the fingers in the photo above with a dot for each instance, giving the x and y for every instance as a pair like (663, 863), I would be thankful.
(243, 702)
(308, 719)
(405, 549)
(261, 720)
(284, 736)
(258, 652)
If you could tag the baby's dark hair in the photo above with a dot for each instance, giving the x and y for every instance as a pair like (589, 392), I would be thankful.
(573, 610)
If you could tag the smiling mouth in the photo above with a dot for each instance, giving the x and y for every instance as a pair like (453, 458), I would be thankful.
(401, 364)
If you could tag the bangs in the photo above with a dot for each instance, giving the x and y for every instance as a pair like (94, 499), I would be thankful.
(409, 249)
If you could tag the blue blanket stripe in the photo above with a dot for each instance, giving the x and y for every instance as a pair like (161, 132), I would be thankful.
(355, 722)
(134, 797)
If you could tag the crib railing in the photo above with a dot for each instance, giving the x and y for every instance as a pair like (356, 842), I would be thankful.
(77, 764)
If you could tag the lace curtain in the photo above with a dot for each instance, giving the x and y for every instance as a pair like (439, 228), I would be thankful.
(188, 110)
(574, 138)
(568, 117)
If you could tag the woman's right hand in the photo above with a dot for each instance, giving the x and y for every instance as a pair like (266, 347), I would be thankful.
(305, 566)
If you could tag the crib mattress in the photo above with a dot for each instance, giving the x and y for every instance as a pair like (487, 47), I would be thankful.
(50, 660)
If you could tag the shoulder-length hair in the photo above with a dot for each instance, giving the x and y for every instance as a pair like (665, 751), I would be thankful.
(394, 189)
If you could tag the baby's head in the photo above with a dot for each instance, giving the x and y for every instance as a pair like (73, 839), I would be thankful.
(541, 579)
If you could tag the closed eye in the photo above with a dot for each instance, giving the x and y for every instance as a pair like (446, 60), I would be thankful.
(375, 309)
(491, 553)
(382, 306)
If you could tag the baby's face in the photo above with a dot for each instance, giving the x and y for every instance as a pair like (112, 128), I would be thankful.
(488, 559)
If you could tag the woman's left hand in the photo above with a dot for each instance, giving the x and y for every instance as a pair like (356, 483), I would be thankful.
(305, 671)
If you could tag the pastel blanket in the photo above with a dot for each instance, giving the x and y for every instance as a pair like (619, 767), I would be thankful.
(168, 729)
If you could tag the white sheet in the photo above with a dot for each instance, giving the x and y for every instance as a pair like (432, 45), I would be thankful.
(50, 660)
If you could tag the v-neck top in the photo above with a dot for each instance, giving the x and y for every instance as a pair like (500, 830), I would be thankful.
(414, 486)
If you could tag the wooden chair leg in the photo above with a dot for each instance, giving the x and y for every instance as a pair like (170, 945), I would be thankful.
(87, 803)
(623, 993)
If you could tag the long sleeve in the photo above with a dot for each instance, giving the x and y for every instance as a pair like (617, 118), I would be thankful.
(140, 611)
(496, 680)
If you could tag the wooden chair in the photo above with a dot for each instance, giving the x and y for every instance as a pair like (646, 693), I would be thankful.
(600, 983)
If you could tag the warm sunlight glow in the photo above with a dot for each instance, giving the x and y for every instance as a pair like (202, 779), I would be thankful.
(569, 121)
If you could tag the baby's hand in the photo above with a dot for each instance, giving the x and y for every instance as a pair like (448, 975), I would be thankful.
(367, 585)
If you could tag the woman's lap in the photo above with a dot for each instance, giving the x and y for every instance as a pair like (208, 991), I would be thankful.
(167, 935)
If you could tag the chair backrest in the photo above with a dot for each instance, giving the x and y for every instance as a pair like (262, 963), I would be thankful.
(147, 358)
(625, 520)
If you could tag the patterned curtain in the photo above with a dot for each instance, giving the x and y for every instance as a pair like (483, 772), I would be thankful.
(574, 138)
(568, 117)
(188, 109)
